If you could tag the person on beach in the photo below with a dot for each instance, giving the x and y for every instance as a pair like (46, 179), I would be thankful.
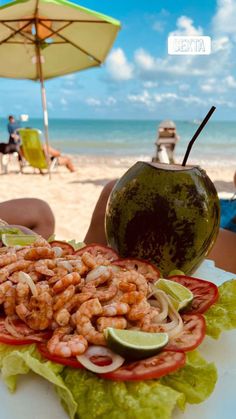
(12, 128)
(62, 159)
(29, 214)
(223, 252)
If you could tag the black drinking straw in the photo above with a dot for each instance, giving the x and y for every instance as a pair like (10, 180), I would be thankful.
(201, 126)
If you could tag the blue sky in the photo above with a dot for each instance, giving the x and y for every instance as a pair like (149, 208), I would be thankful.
(139, 79)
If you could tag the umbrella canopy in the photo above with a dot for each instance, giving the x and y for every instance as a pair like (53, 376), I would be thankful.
(42, 39)
(70, 38)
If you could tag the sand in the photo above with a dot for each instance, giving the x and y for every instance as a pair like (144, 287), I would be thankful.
(72, 196)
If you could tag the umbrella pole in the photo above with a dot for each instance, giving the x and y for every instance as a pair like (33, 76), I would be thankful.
(44, 104)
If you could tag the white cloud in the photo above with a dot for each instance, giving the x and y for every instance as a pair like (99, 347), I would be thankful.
(158, 26)
(63, 101)
(224, 19)
(150, 84)
(118, 66)
(185, 27)
(110, 101)
(183, 87)
(92, 101)
(230, 81)
(142, 98)
(144, 60)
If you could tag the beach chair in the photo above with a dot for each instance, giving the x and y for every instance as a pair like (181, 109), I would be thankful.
(33, 150)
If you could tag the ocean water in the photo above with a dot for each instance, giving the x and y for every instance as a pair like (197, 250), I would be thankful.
(217, 142)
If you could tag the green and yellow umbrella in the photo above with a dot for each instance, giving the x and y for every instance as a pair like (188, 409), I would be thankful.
(42, 39)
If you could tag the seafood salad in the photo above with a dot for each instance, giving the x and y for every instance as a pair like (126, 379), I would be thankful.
(76, 296)
(91, 311)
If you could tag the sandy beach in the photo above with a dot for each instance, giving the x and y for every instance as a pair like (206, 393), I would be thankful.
(72, 196)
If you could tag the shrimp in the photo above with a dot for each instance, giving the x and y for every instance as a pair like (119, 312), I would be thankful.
(98, 276)
(127, 286)
(58, 273)
(103, 294)
(7, 258)
(77, 300)
(133, 297)
(135, 278)
(88, 260)
(4, 287)
(20, 265)
(84, 325)
(61, 299)
(41, 242)
(62, 317)
(116, 322)
(10, 301)
(37, 253)
(71, 278)
(38, 313)
(115, 309)
(64, 344)
(138, 311)
(22, 293)
(45, 267)
(146, 322)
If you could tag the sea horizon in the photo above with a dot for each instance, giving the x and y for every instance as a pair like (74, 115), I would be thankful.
(130, 137)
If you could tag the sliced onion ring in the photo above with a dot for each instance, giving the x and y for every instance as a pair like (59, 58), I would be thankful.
(94, 350)
(9, 326)
(23, 277)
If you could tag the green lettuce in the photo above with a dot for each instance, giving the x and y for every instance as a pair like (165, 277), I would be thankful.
(17, 360)
(196, 380)
(145, 399)
(99, 398)
(222, 315)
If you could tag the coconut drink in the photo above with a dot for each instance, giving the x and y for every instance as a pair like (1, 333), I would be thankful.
(167, 214)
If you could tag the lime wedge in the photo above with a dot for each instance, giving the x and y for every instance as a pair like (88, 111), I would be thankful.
(176, 272)
(132, 344)
(18, 239)
(180, 295)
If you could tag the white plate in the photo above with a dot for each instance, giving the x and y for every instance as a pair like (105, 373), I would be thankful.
(35, 398)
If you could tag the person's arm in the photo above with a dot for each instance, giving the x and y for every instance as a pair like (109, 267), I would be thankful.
(224, 251)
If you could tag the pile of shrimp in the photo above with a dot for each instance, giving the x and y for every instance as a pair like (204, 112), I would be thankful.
(78, 296)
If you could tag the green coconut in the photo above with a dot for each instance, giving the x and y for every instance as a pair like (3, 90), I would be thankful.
(168, 214)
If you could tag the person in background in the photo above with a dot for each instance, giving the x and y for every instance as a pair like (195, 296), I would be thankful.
(29, 213)
(62, 160)
(223, 252)
(12, 128)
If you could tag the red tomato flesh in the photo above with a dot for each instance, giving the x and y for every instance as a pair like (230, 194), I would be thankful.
(192, 335)
(155, 367)
(69, 362)
(143, 267)
(25, 331)
(205, 293)
(97, 249)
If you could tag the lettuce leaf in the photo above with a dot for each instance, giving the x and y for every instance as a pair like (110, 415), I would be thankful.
(222, 315)
(144, 399)
(99, 398)
(16, 360)
(196, 380)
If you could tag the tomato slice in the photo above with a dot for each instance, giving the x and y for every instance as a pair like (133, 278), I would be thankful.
(69, 362)
(97, 249)
(29, 335)
(145, 268)
(72, 361)
(155, 367)
(192, 335)
(205, 293)
(66, 247)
